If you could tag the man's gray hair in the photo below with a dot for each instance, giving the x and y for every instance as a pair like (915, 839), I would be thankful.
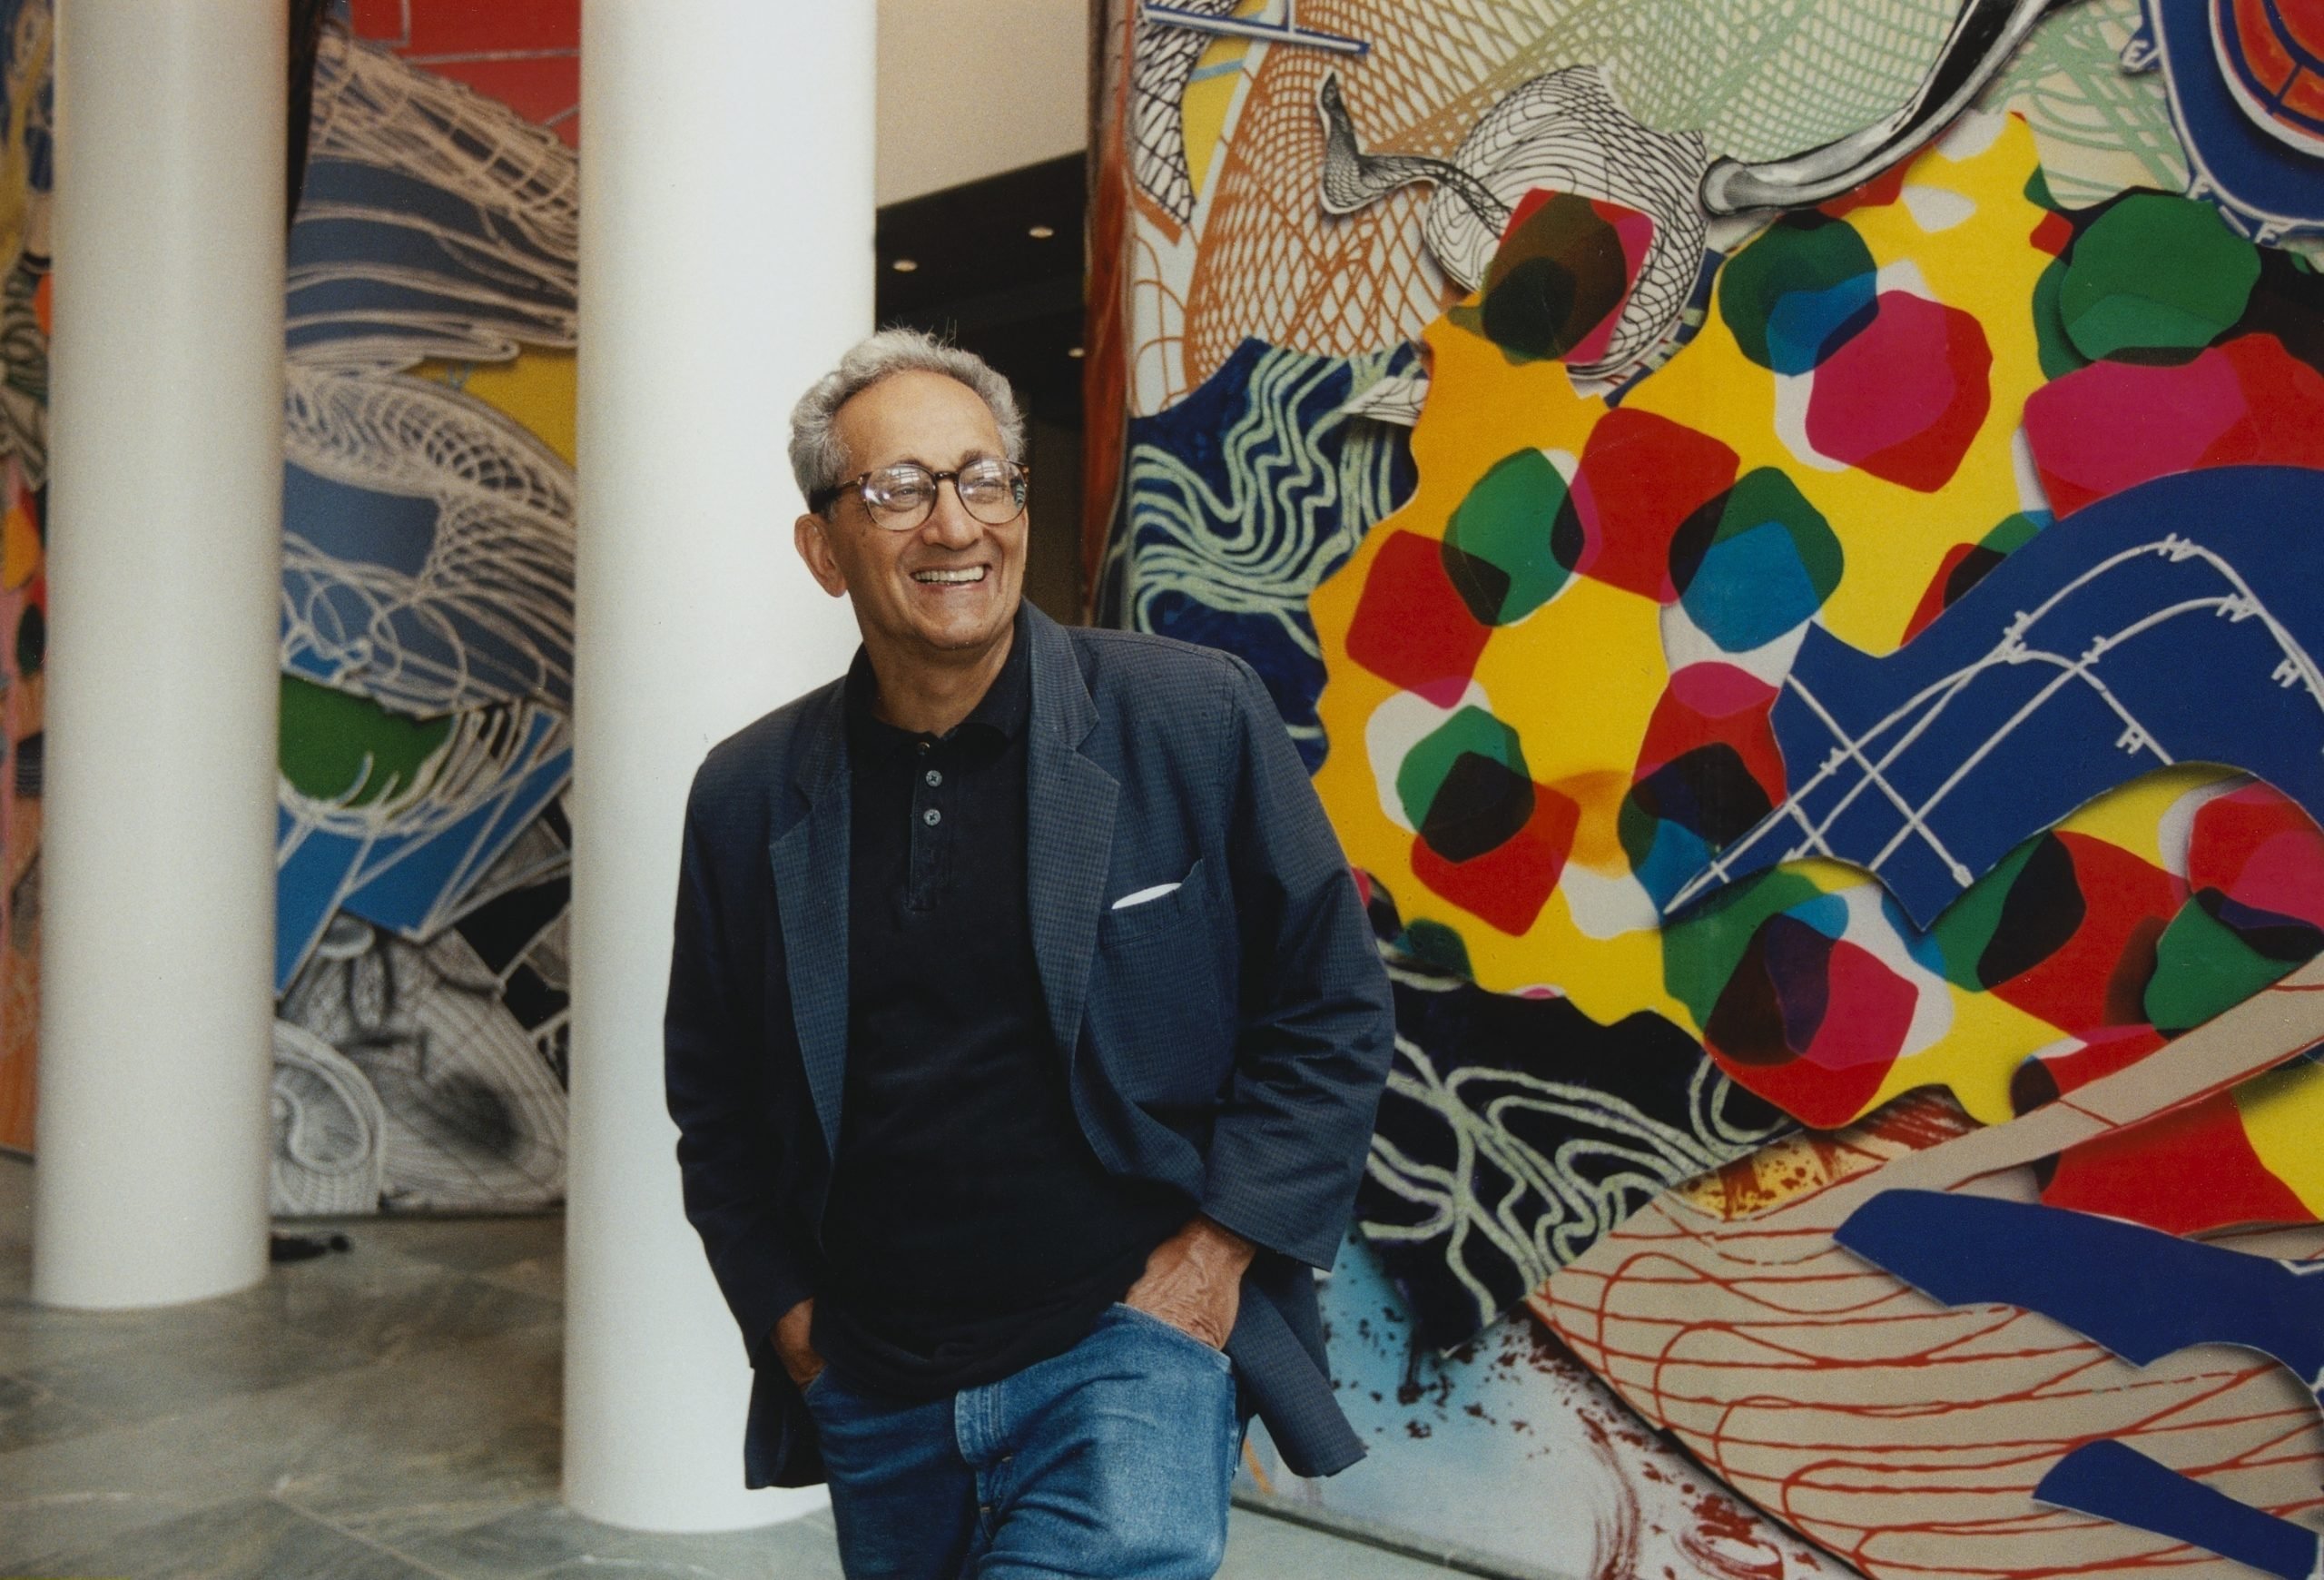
(818, 458)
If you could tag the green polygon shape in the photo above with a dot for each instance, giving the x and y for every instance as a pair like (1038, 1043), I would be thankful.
(2012, 533)
(338, 748)
(2053, 347)
(1966, 927)
(1425, 767)
(2203, 966)
(1767, 494)
(1436, 945)
(2155, 272)
(1804, 252)
(1702, 953)
(1506, 521)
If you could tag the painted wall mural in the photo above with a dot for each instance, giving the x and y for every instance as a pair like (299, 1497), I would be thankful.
(426, 604)
(26, 169)
(1784, 532)
(428, 614)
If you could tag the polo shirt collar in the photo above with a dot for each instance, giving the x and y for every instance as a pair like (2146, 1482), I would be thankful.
(1000, 715)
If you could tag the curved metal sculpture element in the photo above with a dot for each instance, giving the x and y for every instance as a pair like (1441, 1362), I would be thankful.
(1984, 39)
(1563, 132)
(1286, 31)
(1354, 179)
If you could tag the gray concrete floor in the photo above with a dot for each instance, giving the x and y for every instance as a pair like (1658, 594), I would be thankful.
(381, 1414)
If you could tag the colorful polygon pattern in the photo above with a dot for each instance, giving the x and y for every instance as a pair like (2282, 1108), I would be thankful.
(2171, 623)
(1674, 561)
(1595, 611)
(1563, 271)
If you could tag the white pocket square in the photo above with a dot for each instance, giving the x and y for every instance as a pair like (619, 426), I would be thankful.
(1141, 896)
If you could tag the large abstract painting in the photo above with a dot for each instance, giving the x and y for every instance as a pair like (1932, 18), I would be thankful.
(1784, 530)
(428, 614)
(427, 602)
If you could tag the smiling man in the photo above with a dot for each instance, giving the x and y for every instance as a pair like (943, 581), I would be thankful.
(1024, 1036)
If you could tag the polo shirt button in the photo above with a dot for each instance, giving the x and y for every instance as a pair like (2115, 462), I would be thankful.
(931, 817)
(934, 779)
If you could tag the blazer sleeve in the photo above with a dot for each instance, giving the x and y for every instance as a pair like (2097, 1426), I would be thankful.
(727, 1147)
(1318, 1025)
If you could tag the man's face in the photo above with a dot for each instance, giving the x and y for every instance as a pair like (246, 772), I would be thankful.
(950, 586)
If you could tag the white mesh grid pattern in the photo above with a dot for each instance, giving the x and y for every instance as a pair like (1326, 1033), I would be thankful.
(372, 109)
(500, 564)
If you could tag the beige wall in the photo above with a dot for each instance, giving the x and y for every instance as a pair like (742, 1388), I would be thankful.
(969, 88)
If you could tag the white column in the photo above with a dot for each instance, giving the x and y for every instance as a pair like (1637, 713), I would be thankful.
(726, 261)
(164, 584)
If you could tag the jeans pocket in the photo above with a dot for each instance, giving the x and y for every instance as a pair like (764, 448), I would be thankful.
(1148, 1319)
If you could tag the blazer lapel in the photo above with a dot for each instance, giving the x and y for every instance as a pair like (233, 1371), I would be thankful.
(810, 861)
(1068, 828)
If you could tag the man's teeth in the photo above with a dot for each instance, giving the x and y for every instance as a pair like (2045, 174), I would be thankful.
(974, 573)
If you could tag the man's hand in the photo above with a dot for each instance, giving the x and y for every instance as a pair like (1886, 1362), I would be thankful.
(798, 1357)
(1194, 1281)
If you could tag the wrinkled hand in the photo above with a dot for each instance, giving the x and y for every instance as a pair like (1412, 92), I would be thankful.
(798, 1357)
(1194, 1281)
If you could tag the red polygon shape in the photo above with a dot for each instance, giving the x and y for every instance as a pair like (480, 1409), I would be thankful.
(2183, 1172)
(1904, 398)
(1640, 477)
(1932, 602)
(2110, 426)
(1713, 702)
(2127, 902)
(1411, 628)
(1507, 886)
(2260, 847)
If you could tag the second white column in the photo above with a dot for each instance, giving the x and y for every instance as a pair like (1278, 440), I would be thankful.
(726, 261)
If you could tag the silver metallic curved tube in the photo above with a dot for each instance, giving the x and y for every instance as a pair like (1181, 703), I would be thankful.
(1983, 37)
(1352, 179)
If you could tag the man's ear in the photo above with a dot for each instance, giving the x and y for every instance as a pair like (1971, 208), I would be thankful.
(810, 534)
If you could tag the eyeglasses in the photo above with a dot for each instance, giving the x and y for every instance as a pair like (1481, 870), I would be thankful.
(900, 497)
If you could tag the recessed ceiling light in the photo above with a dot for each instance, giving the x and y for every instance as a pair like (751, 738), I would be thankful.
(1073, 350)
(1040, 233)
(904, 265)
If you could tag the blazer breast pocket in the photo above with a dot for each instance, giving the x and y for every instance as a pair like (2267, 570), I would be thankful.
(1155, 908)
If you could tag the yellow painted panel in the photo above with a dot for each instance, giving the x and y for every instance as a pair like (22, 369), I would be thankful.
(2283, 1118)
(535, 388)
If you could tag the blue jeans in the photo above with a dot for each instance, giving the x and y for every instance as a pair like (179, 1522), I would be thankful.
(1109, 1461)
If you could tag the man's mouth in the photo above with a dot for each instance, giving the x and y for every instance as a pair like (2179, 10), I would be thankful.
(961, 577)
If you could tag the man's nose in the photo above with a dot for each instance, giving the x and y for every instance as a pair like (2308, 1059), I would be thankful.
(950, 523)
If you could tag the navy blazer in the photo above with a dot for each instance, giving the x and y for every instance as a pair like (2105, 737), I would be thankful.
(1229, 1039)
